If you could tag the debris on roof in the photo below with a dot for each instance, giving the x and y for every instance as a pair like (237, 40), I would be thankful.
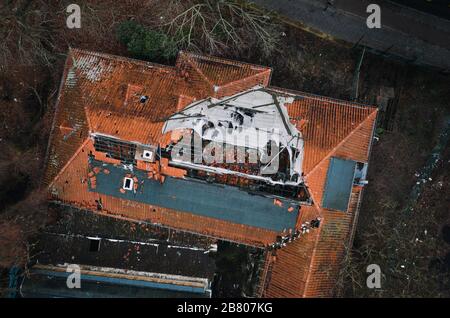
(236, 207)
(251, 119)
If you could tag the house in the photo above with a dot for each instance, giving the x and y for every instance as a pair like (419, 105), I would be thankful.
(209, 147)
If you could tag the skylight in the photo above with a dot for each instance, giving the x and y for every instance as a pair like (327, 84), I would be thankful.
(128, 183)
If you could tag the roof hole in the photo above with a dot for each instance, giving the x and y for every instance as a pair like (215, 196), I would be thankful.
(94, 245)
(143, 99)
(128, 184)
(446, 233)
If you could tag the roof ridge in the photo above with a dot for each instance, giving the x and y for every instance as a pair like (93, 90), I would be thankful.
(244, 78)
(69, 161)
(193, 58)
(122, 59)
(296, 93)
(225, 60)
(188, 58)
(313, 256)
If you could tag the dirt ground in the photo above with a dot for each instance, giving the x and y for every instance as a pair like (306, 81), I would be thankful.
(29, 80)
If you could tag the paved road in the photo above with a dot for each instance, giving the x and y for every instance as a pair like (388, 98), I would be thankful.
(419, 37)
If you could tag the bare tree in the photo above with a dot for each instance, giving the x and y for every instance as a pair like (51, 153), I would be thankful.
(220, 25)
(24, 35)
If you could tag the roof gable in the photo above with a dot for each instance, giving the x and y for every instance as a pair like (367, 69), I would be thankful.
(221, 76)
(326, 123)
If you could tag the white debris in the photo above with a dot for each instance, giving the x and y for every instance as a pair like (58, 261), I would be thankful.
(92, 67)
(252, 119)
(128, 167)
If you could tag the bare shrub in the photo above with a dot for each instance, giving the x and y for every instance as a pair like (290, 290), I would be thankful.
(24, 33)
(408, 250)
(219, 26)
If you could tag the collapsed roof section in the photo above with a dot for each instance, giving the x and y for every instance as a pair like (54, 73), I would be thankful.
(255, 119)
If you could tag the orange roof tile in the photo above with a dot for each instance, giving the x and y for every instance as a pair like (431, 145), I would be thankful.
(220, 77)
(218, 71)
(332, 128)
(71, 187)
(325, 123)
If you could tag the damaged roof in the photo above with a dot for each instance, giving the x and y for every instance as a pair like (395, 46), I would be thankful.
(131, 100)
(220, 72)
(237, 206)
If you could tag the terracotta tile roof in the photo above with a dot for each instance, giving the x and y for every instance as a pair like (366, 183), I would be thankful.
(112, 90)
(71, 187)
(325, 123)
(309, 267)
(220, 77)
(130, 100)
(219, 71)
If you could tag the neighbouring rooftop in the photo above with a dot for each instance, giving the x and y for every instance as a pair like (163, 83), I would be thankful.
(81, 237)
(134, 259)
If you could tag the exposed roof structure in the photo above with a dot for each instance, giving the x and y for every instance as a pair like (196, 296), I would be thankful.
(113, 110)
(252, 118)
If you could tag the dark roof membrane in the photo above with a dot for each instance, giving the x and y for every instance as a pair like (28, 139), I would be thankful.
(339, 184)
(211, 200)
